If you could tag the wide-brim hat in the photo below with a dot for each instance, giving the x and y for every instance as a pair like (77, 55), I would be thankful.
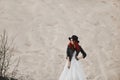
(74, 38)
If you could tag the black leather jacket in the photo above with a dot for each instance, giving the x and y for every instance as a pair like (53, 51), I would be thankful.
(70, 53)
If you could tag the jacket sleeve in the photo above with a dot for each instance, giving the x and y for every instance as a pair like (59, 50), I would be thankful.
(67, 52)
(77, 53)
(83, 52)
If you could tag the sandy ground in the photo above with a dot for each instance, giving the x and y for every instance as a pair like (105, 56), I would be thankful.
(41, 29)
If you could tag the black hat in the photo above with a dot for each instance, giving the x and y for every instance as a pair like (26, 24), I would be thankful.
(74, 37)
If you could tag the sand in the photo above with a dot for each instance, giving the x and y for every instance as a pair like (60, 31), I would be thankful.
(41, 29)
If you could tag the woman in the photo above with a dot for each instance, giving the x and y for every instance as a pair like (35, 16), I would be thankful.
(73, 68)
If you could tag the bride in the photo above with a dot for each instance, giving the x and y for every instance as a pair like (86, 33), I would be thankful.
(73, 69)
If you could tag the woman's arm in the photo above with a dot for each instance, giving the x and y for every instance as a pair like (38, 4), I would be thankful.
(83, 53)
(68, 57)
(67, 52)
(69, 63)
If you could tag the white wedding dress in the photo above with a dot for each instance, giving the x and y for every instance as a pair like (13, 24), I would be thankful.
(75, 72)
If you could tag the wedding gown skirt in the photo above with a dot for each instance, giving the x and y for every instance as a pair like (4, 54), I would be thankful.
(75, 72)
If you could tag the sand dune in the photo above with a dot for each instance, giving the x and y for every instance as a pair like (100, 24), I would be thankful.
(41, 29)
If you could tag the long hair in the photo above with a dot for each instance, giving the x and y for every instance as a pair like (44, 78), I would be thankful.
(77, 46)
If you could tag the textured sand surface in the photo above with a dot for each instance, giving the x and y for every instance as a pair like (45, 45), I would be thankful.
(41, 29)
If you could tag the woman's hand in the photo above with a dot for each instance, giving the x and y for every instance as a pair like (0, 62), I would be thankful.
(69, 63)
(67, 57)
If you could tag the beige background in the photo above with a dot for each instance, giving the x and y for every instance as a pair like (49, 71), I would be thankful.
(41, 29)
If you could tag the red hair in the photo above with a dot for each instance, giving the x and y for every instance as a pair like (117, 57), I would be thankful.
(77, 46)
